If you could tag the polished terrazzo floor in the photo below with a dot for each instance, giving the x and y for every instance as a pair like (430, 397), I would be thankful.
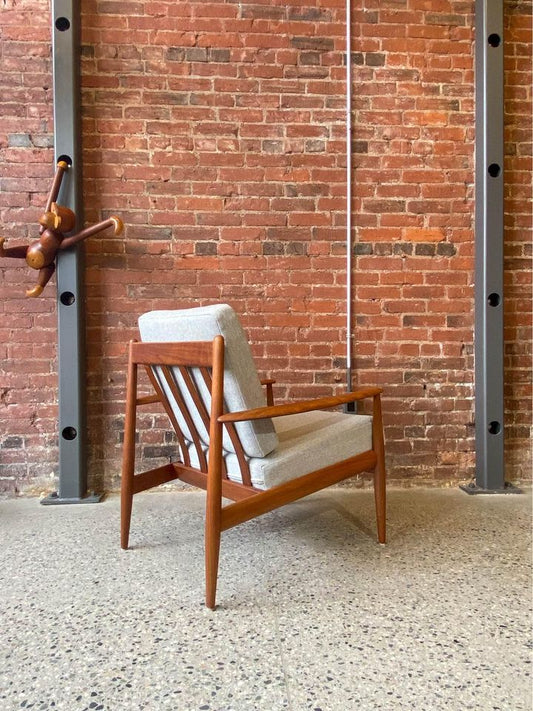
(313, 613)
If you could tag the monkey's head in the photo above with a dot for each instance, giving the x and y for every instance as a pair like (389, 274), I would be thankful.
(60, 219)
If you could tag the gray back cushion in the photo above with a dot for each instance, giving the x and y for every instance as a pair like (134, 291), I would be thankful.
(242, 389)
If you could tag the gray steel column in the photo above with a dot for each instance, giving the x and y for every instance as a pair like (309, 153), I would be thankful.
(70, 287)
(489, 373)
(350, 406)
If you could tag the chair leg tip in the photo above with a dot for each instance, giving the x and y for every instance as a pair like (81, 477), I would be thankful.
(210, 600)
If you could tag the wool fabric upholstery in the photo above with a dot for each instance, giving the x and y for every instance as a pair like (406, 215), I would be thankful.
(307, 441)
(242, 388)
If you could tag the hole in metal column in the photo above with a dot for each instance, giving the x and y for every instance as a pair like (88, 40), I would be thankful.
(495, 428)
(62, 24)
(67, 298)
(65, 158)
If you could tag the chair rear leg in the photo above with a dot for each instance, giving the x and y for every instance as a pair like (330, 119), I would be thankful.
(128, 456)
(379, 471)
(126, 493)
(126, 504)
(381, 500)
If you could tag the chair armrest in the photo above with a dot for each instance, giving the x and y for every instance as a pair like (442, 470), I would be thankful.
(293, 408)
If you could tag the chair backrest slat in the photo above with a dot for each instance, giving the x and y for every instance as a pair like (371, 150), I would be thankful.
(164, 400)
(185, 413)
(198, 402)
(234, 437)
(193, 391)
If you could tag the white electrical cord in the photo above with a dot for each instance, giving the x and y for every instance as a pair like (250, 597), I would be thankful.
(348, 196)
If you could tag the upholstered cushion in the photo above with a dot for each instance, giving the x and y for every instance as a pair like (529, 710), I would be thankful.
(307, 441)
(242, 389)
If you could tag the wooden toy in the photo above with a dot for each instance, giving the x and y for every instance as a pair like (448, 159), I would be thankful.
(55, 222)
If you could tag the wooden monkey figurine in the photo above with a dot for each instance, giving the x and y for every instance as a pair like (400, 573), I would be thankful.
(55, 222)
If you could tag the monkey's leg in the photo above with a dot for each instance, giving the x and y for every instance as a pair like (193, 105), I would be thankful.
(45, 273)
(15, 252)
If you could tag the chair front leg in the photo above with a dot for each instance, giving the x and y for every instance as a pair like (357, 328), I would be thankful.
(212, 552)
(213, 517)
(379, 470)
(213, 512)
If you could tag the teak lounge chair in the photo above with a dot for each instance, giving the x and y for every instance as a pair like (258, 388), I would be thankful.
(233, 441)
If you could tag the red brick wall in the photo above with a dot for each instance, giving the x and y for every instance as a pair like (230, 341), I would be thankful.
(414, 214)
(216, 130)
(518, 219)
(28, 369)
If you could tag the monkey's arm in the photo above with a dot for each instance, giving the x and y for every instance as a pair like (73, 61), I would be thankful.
(61, 169)
(113, 221)
(13, 252)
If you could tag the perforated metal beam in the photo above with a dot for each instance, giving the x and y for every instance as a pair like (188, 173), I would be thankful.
(489, 337)
(70, 287)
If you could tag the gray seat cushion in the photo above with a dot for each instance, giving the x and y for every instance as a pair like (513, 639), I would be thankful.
(242, 388)
(307, 441)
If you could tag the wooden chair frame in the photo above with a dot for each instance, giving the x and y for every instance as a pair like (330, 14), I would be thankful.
(247, 501)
